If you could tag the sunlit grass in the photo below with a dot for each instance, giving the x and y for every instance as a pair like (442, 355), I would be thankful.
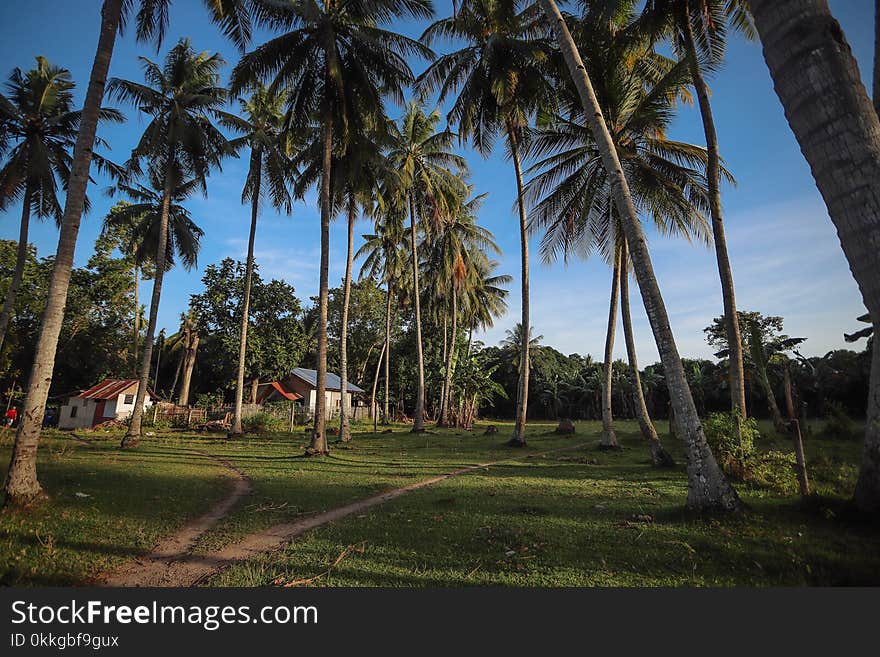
(579, 517)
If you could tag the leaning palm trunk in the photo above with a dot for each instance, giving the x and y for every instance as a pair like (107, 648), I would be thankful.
(713, 179)
(344, 425)
(246, 303)
(522, 393)
(385, 417)
(659, 456)
(20, 260)
(319, 433)
(817, 79)
(419, 419)
(21, 484)
(134, 427)
(609, 438)
(779, 422)
(708, 488)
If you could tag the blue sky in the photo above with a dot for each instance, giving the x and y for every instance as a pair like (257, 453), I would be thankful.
(784, 250)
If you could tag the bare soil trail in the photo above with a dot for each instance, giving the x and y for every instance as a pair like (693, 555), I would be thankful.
(153, 569)
(171, 564)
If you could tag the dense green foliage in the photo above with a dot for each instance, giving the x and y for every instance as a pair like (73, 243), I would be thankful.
(276, 338)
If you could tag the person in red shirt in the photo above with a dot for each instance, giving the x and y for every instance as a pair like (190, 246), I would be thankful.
(11, 416)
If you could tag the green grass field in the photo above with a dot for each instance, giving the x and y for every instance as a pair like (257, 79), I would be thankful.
(574, 518)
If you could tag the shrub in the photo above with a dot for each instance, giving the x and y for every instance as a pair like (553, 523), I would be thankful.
(263, 423)
(209, 400)
(720, 430)
(838, 424)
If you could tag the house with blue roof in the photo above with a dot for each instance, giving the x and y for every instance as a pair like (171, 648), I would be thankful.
(301, 386)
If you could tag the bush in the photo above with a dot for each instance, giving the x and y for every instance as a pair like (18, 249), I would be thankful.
(838, 424)
(209, 400)
(720, 430)
(263, 423)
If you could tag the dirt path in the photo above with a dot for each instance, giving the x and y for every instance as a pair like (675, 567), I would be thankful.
(155, 568)
(190, 569)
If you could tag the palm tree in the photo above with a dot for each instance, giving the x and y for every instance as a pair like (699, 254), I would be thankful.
(140, 222)
(513, 338)
(384, 260)
(424, 171)
(183, 96)
(836, 126)
(270, 172)
(40, 128)
(659, 456)
(355, 177)
(337, 65)
(707, 486)
(452, 254)
(184, 344)
(572, 195)
(698, 30)
(22, 485)
(500, 74)
(485, 300)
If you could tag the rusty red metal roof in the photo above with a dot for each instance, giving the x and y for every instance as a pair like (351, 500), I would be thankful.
(279, 387)
(111, 389)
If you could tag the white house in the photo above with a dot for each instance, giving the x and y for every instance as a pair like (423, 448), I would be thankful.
(302, 385)
(112, 399)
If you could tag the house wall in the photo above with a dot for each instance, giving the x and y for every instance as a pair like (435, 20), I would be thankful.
(85, 413)
(122, 411)
(308, 393)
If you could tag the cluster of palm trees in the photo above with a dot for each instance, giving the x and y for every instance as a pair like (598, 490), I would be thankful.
(587, 97)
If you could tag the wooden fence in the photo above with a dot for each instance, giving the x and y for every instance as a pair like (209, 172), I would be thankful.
(293, 413)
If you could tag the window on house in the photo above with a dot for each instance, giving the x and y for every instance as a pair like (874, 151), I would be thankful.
(129, 399)
(73, 410)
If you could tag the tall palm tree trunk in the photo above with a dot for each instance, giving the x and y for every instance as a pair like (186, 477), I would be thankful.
(450, 362)
(522, 393)
(419, 419)
(21, 485)
(713, 178)
(442, 413)
(659, 456)
(134, 427)
(818, 82)
(875, 89)
(708, 488)
(609, 438)
(344, 423)
(319, 433)
(177, 371)
(20, 260)
(374, 407)
(256, 157)
(189, 363)
(137, 313)
(385, 416)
